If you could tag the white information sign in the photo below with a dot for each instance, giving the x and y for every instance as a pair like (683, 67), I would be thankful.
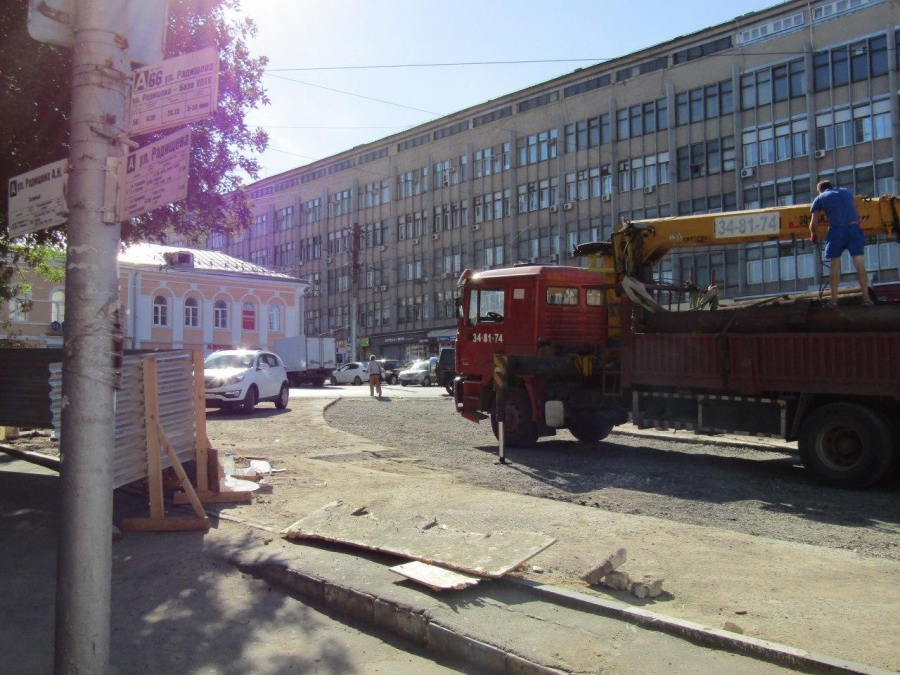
(175, 92)
(756, 224)
(51, 21)
(37, 199)
(155, 175)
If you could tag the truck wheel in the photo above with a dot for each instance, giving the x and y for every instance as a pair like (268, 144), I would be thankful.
(282, 401)
(249, 402)
(846, 445)
(449, 387)
(519, 426)
(588, 427)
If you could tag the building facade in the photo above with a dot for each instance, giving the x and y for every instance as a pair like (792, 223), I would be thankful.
(178, 298)
(747, 114)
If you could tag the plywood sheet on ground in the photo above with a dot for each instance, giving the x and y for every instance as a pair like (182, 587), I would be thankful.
(490, 554)
(434, 577)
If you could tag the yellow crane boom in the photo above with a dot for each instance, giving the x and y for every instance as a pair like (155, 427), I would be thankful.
(638, 245)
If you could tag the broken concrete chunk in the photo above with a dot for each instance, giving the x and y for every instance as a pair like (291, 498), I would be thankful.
(617, 580)
(647, 587)
(612, 562)
(732, 627)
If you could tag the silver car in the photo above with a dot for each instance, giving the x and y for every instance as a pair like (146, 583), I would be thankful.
(419, 372)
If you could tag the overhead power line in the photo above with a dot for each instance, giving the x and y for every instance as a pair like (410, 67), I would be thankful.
(436, 65)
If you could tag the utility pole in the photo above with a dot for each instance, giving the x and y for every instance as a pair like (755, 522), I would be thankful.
(84, 560)
(354, 291)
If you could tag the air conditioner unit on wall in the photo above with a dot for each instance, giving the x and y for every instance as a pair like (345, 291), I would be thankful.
(747, 173)
(605, 198)
(820, 154)
(416, 241)
(650, 189)
(554, 208)
(383, 247)
(553, 257)
(568, 206)
(383, 287)
(329, 259)
(476, 227)
(435, 236)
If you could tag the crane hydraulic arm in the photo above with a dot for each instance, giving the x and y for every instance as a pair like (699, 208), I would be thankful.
(638, 245)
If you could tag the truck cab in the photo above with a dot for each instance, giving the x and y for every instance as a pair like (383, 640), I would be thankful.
(527, 312)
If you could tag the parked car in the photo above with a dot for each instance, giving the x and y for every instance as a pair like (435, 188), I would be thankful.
(418, 373)
(350, 373)
(446, 368)
(241, 378)
(391, 370)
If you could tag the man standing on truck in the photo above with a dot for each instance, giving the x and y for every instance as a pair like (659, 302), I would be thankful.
(843, 234)
(374, 370)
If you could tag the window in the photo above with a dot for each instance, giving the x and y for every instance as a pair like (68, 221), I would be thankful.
(558, 295)
(486, 306)
(57, 306)
(275, 322)
(220, 314)
(160, 311)
(191, 313)
(19, 308)
(284, 218)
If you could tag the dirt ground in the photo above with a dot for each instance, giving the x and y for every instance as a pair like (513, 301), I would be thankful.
(833, 601)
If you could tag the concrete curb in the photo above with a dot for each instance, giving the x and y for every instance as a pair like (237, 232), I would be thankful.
(700, 439)
(403, 621)
(778, 654)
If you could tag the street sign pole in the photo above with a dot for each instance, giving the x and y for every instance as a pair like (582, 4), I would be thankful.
(84, 560)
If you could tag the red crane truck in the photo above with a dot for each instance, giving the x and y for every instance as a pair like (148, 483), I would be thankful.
(586, 349)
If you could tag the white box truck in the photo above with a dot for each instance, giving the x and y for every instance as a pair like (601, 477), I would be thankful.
(309, 360)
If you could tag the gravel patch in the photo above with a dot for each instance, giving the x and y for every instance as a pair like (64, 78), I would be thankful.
(742, 489)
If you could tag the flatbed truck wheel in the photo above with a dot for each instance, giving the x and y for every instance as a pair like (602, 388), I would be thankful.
(519, 426)
(847, 445)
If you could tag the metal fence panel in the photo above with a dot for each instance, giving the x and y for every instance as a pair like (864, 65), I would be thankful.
(176, 412)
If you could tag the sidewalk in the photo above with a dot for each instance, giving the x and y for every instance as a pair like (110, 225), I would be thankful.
(811, 601)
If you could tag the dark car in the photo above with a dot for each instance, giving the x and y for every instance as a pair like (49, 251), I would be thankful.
(391, 369)
(446, 368)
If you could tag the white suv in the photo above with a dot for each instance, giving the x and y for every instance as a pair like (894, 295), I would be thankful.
(241, 378)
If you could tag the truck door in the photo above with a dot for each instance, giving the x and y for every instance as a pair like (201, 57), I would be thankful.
(482, 329)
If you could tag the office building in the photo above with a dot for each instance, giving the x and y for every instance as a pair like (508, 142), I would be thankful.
(749, 113)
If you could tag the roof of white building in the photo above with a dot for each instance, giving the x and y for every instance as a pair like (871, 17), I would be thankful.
(181, 258)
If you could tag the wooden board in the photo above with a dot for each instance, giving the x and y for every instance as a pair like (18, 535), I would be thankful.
(436, 578)
(491, 554)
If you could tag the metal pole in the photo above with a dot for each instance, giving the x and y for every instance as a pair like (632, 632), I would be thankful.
(354, 291)
(88, 410)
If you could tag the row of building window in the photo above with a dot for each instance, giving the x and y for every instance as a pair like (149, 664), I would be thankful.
(221, 314)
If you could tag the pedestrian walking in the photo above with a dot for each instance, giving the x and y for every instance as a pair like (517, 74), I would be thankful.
(844, 234)
(374, 370)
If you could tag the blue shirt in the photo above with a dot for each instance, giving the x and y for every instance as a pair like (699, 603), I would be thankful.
(838, 205)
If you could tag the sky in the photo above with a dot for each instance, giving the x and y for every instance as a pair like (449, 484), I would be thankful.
(326, 98)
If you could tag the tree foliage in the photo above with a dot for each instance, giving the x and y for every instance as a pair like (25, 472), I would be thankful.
(35, 112)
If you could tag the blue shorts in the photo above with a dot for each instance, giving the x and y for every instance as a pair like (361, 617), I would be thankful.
(844, 238)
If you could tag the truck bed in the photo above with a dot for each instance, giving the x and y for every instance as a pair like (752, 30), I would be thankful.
(853, 363)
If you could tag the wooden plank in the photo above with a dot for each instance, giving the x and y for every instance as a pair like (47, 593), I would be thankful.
(201, 442)
(490, 554)
(154, 457)
(182, 476)
(164, 524)
(436, 578)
